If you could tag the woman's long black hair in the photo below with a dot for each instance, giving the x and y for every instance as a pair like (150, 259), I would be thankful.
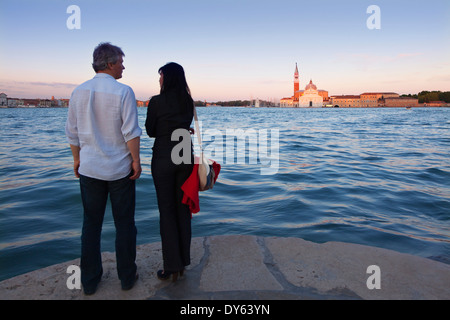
(174, 80)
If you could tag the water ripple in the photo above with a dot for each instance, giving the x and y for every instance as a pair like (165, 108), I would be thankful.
(372, 176)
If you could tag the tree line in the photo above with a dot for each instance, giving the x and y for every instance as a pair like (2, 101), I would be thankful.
(428, 96)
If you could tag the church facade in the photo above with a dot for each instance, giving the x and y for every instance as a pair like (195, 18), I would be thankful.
(310, 97)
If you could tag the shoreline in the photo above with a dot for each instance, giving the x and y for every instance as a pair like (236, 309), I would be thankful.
(236, 267)
(265, 107)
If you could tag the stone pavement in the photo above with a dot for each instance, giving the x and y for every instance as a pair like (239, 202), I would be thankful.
(239, 267)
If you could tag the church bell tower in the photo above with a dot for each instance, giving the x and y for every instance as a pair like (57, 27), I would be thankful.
(296, 84)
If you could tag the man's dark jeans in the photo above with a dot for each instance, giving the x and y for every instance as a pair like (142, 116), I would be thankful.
(94, 194)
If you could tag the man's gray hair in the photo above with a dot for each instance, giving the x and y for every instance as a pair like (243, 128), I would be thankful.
(105, 53)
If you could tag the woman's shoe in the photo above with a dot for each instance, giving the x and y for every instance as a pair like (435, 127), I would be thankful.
(163, 275)
(131, 284)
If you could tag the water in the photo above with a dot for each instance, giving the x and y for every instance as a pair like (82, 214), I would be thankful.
(378, 177)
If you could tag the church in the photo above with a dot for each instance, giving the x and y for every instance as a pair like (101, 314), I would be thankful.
(310, 97)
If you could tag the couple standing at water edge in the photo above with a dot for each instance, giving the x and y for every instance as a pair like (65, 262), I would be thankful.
(104, 136)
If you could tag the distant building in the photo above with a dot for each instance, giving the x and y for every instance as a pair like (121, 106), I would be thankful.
(31, 102)
(13, 102)
(141, 103)
(310, 97)
(346, 101)
(63, 103)
(313, 97)
(373, 99)
(47, 103)
(286, 102)
(401, 102)
(436, 104)
(369, 99)
(3, 100)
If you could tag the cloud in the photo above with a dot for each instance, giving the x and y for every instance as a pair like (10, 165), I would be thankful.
(36, 89)
(38, 83)
(407, 55)
(372, 58)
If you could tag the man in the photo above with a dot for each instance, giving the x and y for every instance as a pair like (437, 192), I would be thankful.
(104, 135)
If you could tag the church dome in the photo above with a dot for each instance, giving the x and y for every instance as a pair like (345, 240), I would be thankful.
(310, 85)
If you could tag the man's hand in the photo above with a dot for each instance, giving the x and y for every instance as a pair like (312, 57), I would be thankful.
(136, 169)
(76, 166)
(76, 159)
(133, 146)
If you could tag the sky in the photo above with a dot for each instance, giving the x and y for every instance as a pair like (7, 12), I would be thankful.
(230, 49)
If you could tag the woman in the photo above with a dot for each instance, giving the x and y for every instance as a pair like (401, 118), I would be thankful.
(170, 110)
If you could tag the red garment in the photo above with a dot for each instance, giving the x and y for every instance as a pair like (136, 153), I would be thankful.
(190, 188)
